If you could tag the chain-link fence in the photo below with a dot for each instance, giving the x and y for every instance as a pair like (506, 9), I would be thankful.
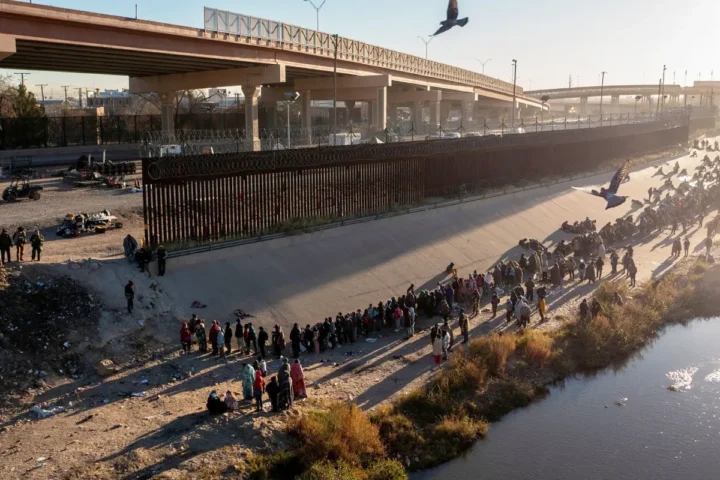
(198, 142)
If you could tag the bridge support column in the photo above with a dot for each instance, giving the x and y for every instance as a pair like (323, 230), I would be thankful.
(252, 129)
(418, 116)
(372, 108)
(306, 115)
(467, 113)
(445, 107)
(583, 105)
(271, 116)
(167, 116)
(381, 110)
(434, 124)
(349, 108)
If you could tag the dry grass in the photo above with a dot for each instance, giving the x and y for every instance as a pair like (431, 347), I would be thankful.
(537, 346)
(493, 351)
(343, 433)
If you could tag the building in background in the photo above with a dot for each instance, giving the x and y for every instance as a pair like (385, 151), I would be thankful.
(114, 102)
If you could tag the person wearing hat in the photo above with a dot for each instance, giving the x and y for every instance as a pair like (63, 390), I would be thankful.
(5, 244)
(161, 259)
(130, 295)
(19, 239)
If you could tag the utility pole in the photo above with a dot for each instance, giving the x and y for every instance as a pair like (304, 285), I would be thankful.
(662, 98)
(685, 84)
(22, 77)
(237, 102)
(42, 91)
(673, 77)
(65, 87)
(602, 87)
(514, 86)
(657, 107)
(335, 38)
(570, 81)
(80, 97)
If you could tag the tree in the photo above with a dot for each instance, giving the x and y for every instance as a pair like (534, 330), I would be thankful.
(7, 94)
(29, 125)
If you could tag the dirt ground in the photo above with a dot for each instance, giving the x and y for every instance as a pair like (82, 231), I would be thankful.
(163, 431)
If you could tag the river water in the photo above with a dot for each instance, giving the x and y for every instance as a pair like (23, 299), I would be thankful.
(580, 431)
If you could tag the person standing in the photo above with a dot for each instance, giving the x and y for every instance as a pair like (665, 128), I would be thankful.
(162, 259)
(464, 326)
(273, 391)
(614, 259)
(530, 289)
(632, 271)
(130, 246)
(686, 244)
(278, 340)
(19, 240)
(201, 335)
(262, 341)
(248, 381)
(219, 341)
(599, 263)
(436, 342)
(494, 301)
(708, 245)
(295, 340)
(411, 319)
(5, 244)
(250, 339)
(258, 389)
(36, 242)
(298, 380)
(239, 329)
(228, 338)
(214, 331)
(130, 295)
(185, 337)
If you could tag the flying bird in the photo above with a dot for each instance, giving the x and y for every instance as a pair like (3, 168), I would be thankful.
(452, 18)
(610, 194)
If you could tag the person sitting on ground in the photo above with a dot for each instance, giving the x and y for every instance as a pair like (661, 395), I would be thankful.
(215, 405)
(230, 401)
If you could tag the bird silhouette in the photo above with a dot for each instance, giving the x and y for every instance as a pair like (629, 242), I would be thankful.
(452, 18)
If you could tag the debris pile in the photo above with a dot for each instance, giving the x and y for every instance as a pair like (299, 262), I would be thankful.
(41, 321)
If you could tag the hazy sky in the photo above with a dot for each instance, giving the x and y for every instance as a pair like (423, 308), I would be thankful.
(552, 39)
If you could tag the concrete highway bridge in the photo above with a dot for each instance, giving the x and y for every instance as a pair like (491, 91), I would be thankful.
(703, 91)
(266, 58)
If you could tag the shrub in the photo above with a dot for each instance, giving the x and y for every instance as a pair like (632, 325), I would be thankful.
(342, 434)
(386, 470)
(493, 351)
(278, 466)
(333, 471)
(537, 347)
(506, 396)
(399, 434)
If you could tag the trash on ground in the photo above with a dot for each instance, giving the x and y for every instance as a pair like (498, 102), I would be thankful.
(39, 412)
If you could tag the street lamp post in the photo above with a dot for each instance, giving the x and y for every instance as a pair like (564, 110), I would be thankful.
(317, 12)
(602, 87)
(514, 86)
(662, 93)
(483, 63)
(426, 42)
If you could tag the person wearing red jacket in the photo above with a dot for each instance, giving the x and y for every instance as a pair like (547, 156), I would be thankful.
(185, 337)
(214, 330)
(258, 389)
